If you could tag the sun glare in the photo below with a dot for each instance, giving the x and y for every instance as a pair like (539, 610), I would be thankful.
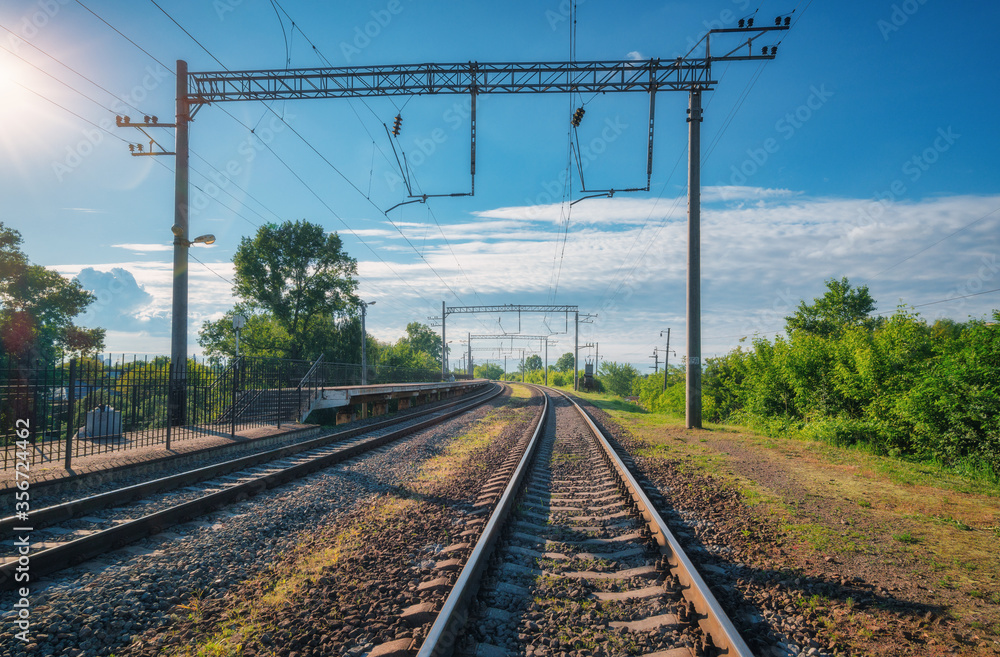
(30, 119)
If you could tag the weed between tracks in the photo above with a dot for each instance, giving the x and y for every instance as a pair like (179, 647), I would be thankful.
(247, 616)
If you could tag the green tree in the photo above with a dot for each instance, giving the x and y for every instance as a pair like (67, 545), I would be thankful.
(422, 338)
(300, 275)
(490, 371)
(37, 307)
(840, 307)
(533, 363)
(566, 362)
(618, 377)
(419, 348)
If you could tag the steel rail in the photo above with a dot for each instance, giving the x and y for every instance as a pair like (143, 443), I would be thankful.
(46, 516)
(440, 640)
(711, 617)
(79, 550)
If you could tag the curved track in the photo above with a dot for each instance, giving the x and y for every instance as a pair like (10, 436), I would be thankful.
(71, 536)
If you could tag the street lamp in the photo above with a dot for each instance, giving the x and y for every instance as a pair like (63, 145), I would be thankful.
(179, 308)
(201, 239)
(364, 341)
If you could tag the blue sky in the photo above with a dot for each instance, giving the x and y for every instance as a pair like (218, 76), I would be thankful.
(866, 149)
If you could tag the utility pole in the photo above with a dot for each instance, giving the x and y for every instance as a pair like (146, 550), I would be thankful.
(576, 352)
(444, 347)
(546, 366)
(179, 309)
(693, 393)
(364, 341)
(656, 361)
(469, 370)
(666, 359)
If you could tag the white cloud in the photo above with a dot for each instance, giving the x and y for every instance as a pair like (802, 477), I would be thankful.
(625, 259)
(635, 55)
(144, 248)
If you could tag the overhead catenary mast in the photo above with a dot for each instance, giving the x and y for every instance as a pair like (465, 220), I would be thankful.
(690, 74)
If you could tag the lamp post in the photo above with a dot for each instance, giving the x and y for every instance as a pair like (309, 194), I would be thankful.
(239, 321)
(364, 341)
(179, 310)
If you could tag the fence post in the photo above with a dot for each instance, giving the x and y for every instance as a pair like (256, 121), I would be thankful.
(232, 415)
(72, 411)
(279, 401)
(170, 401)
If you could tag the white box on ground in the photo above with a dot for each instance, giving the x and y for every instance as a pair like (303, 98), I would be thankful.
(104, 422)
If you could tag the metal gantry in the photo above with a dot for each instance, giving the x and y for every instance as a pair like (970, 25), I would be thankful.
(690, 74)
(518, 308)
(543, 339)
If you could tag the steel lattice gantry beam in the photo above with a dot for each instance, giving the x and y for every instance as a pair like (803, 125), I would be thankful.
(470, 77)
(690, 74)
(512, 308)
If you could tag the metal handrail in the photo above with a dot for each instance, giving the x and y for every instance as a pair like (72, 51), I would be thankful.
(310, 372)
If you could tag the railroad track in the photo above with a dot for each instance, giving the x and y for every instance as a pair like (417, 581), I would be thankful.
(573, 556)
(72, 532)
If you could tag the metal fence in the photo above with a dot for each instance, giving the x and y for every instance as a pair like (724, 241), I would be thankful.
(89, 406)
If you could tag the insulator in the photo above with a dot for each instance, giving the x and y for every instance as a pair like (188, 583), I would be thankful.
(777, 20)
(763, 50)
(126, 120)
(131, 148)
(743, 22)
(788, 21)
(750, 22)
(396, 125)
(138, 147)
(774, 50)
(145, 119)
(155, 120)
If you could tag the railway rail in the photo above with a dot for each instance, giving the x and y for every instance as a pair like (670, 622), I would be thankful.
(74, 531)
(574, 555)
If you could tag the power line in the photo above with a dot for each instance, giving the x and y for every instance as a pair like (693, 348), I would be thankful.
(127, 39)
(66, 109)
(207, 52)
(195, 258)
(43, 71)
(949, 236)
(318, 153)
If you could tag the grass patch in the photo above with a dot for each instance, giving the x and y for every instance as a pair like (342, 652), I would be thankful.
(906, 537)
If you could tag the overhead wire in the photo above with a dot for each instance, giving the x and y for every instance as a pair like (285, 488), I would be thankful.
(368, 195)
(316, 151)
(147, 53)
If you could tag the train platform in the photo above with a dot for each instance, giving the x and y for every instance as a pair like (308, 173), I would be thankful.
(191, 443)
(186, 442)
